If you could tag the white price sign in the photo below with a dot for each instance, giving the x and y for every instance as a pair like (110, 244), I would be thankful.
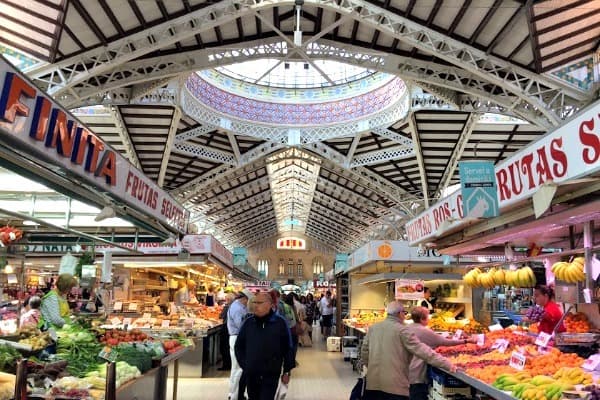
(115, 321)
(126, 321)
(592, 362)
(501, 345)
(147, 315)
(457, 334)
(542, 339)
(517, 360)
(132, 307)
(165, 324)
(480, 339)
(118, 306)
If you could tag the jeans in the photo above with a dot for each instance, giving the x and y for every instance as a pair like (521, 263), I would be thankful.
(262, 387)
(379, 395)
(419, 391)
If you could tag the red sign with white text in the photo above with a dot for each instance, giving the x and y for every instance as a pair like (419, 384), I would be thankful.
(35, 125)
(570, 152)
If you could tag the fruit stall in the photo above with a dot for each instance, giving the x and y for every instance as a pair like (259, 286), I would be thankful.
(545, 232)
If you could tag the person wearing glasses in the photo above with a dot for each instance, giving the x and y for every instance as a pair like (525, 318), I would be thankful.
(264, 349)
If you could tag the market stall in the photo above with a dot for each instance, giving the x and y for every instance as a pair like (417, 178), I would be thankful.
(546, 234)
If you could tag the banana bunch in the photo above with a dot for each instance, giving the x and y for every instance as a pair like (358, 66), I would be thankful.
(471, 278)
(523, 277)
(508, 382)
(573, 376)
(570, 272)
(541, 387)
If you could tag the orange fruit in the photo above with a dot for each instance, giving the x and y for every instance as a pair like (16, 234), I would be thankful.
(384, 251)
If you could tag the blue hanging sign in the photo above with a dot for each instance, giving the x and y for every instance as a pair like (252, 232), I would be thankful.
(479, 189)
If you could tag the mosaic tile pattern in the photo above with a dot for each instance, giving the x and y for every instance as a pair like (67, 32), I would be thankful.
(579, 74)
(295, 114)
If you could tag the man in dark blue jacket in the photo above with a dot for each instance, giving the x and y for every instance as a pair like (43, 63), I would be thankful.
(263, 349)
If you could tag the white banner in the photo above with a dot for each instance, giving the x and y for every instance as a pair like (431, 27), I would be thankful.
(409, 289)
(35, 125)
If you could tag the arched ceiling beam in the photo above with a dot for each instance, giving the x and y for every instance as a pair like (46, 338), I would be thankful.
(205, 153)
(463, 139)
(379, 156)
(414, 131)
(544, 94)
(124, 136)
(198, 184)
(169, 146)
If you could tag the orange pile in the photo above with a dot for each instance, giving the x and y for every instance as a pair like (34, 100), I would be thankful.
(489, 373)
(548, 364)
(577, 323)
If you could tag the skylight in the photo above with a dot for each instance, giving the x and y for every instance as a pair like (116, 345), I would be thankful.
(295, 74)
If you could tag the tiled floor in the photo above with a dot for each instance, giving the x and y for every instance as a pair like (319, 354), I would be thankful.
(321, 375)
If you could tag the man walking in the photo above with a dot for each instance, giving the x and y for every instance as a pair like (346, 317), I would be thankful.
(327, 314)
(264, 349)
(235, 318)
(388, 349)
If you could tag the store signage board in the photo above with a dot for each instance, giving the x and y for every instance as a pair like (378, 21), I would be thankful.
(393, 251)
(41, 130)
(572, 151)
(478, 188)
(409, 289)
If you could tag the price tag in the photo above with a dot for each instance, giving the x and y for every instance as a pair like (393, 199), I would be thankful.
(188, 322)
(542, 339)
(115, 321)
(108, 354)
(165, 324)
(517, 360)
(501, 345)
(118, 306)
(592, 362)
(495, 327)
(147, 315)
(132, 307)
(480, 339)
(126, 321)
(457, 334)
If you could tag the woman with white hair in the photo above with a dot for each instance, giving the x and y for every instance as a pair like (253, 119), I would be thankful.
(388, 349)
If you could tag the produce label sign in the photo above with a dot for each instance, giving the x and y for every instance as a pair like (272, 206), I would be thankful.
(517, 360)
(408, 289)
(542, 339)
(108, 354)
(501, 345)
(592, 362)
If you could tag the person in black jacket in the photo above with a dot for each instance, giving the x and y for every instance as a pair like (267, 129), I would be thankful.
(263, 348)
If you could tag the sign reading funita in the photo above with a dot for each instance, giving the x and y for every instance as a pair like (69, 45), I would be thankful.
(38, 127)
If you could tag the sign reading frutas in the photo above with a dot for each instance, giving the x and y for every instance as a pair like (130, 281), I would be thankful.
(478, 186)
(40, 129)
(570, 152)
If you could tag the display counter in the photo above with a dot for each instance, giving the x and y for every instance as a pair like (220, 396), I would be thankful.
(205, 354)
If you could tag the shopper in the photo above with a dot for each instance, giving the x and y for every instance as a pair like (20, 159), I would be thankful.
(31, 316)
(282, 308)
(543, 297)
(310, 307)
(55, 308)
(224, 335)
(295, 331)
(387, 351)
(427, 302)
(235, 318)
(210, 297)
(182, 295)
(263, 349)
(327, 314)
(418, 367)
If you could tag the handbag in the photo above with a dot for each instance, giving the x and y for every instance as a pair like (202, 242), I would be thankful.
(297, 329)
(281, 391)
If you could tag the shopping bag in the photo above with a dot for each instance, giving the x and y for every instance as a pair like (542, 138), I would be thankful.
(281, 391)
(358, 391)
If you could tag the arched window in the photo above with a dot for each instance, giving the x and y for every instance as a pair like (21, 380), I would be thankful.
(318, 266)
(281, 268)
(290, 267)
(263, 268)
